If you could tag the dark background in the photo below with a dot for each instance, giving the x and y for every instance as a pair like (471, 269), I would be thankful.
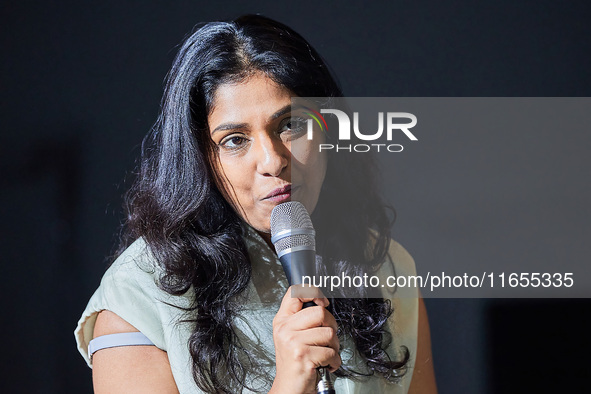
(81, 84)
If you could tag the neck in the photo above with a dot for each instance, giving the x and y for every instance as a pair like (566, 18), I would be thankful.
(267, 238)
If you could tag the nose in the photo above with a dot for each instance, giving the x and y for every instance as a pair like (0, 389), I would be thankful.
(272, 155)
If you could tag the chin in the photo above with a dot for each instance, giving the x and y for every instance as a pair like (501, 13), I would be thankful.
(263, 225)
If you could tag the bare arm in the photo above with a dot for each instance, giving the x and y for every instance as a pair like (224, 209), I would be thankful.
(129, 369)
(423, 379)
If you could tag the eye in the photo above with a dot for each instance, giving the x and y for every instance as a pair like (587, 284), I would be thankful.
(293, 127)
(233, 142)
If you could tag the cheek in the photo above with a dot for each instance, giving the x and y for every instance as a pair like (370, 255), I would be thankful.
(309, 168)
(307, 152)
(233, 182)
(319, 172)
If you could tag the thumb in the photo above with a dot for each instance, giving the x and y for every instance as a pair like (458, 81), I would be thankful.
(292, 303)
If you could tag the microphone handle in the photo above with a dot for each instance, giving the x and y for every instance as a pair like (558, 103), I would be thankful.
(308, 304)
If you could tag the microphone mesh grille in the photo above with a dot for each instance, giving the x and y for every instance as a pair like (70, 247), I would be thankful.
(287, 216)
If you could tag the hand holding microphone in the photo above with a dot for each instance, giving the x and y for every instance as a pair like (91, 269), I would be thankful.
(304, 332)
(305, 339)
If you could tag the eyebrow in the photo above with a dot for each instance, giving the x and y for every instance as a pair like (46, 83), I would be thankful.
(234, 126)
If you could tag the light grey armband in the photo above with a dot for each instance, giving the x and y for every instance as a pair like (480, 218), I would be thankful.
(116, 340)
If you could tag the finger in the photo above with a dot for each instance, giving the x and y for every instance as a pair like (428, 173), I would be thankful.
(320, 336)
(325, 357)
(312, 317)
(291, 305)
(306, 292)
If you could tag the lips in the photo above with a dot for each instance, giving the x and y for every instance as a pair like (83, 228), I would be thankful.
(280, 193)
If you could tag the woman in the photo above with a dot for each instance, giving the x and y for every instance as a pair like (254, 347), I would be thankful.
(197, 277)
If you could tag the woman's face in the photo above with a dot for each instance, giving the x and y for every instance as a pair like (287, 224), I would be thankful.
(263, 157)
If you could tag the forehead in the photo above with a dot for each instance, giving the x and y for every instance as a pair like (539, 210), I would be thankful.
(256, 97)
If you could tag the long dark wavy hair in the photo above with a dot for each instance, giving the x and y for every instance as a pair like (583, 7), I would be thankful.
(196, 236)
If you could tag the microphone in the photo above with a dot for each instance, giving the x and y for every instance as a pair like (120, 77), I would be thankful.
(293, 236)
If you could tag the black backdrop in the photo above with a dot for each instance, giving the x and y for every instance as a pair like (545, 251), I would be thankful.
(81, 83)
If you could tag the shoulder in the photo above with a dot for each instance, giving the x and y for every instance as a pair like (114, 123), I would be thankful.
(108, 322)
(135, 264)
(129, 290)
(137, 273)
(397, 260)
(131, 282)
(131, 285)
(402, 260)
